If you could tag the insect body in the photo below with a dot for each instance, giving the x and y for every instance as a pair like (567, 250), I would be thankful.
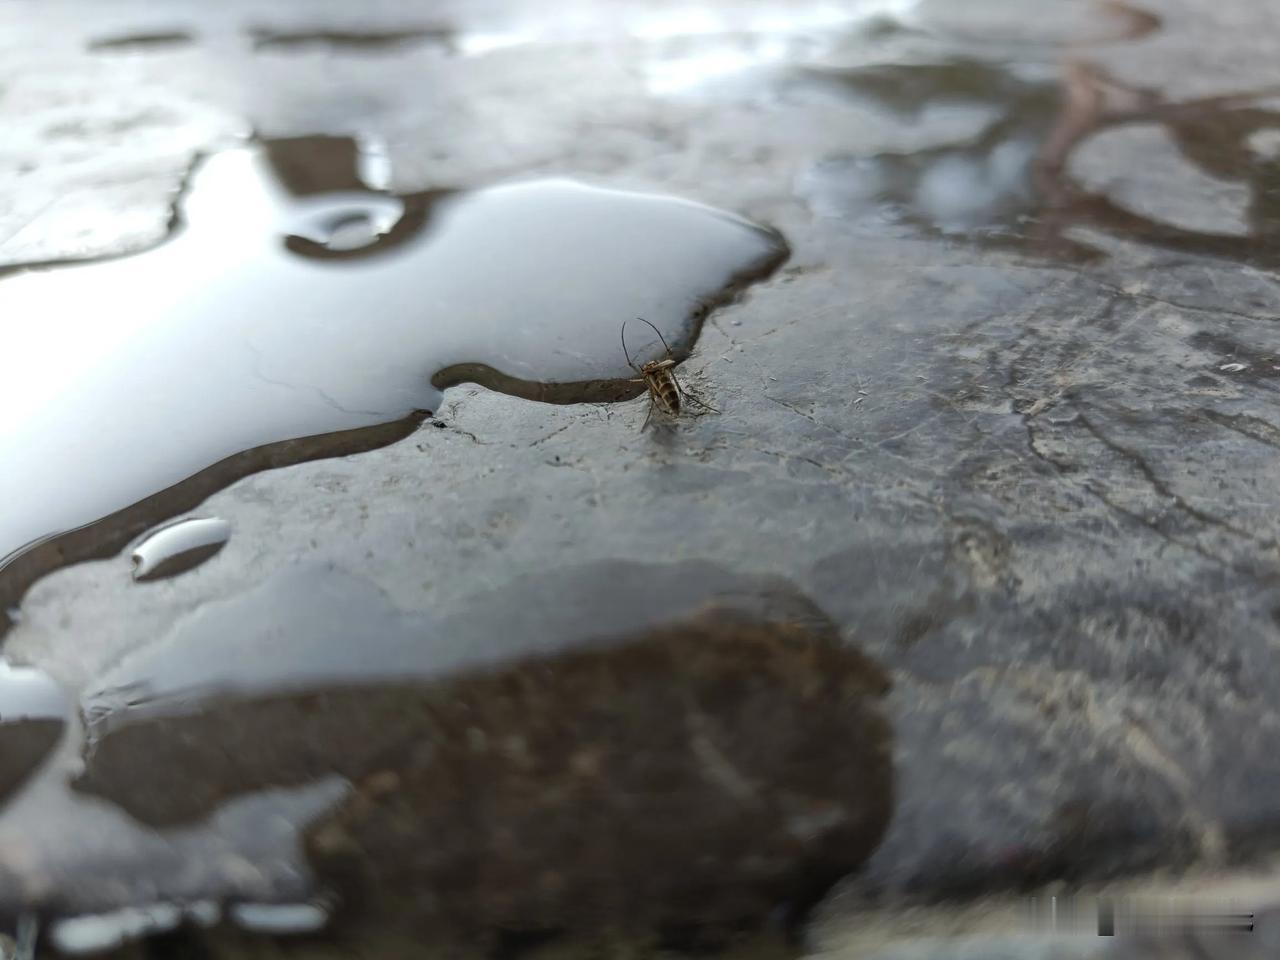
(659, 377)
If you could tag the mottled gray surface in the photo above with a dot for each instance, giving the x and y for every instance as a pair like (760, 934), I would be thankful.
(1023, 452)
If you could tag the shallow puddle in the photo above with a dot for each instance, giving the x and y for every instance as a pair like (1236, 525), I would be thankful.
(296, 306)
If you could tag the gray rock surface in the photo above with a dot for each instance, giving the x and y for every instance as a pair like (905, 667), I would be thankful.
(1027, 463)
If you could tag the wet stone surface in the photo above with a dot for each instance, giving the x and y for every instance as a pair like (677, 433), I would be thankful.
(653, 781)
(1007, 416)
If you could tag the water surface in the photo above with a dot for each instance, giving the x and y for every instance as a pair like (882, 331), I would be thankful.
(1057, 149)
(294, 302)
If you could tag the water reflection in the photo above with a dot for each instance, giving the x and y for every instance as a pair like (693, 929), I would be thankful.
(981, 186)
(1025, 176)
(1213, 135)
(297, 313)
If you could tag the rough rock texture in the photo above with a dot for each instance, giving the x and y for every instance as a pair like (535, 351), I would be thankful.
(1027, 461)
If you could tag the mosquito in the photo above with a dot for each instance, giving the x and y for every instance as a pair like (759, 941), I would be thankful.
(665, 392)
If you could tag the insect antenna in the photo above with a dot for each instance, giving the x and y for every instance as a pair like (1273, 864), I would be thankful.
(685, 392)
(659, 333)
(624, 348)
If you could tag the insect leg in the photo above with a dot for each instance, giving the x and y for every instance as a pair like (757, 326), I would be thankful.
(685, 392)
(649, 413)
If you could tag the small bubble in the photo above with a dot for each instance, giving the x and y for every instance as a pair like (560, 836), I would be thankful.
(179, 547)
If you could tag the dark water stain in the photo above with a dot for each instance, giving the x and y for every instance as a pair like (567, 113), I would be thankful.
(33, 713)
(131, 42)
(679, 771)
(353, 41)
(179, 547)
(297, 313)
